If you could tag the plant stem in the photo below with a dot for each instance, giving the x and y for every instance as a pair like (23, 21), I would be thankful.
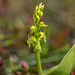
(37, 53)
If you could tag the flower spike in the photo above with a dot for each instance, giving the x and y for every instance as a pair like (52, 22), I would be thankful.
(35, 36)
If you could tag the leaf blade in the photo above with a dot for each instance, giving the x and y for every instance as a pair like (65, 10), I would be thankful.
(65, 66)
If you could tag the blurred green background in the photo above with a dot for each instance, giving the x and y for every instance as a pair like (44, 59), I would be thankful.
(16, 58)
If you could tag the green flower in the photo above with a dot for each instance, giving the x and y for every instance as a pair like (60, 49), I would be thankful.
(35, 36)
(38, 13)
(33, 29)
(42, 36)
(42, 24)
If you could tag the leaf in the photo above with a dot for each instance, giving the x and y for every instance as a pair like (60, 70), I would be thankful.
(65, 66)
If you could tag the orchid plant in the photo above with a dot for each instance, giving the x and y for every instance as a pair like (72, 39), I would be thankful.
(34, 38)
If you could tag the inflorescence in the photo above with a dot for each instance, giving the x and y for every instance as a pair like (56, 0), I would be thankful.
(36, 35)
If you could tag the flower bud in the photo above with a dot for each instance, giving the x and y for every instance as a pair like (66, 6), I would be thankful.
(41, 33)
(33, 28)
(38, 17)
(36, 8)
(41, 7)
(41, 14)
(38, 47)
(33, 39)
(42, 24)
(42, 36)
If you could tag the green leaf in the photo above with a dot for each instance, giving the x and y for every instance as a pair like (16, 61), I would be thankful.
(65, 66)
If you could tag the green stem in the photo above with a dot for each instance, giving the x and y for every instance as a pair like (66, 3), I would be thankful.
(37, 53)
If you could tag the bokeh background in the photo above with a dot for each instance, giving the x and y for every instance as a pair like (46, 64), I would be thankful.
(16, 58)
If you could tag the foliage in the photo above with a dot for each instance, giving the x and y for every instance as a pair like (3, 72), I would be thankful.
(66, 65)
